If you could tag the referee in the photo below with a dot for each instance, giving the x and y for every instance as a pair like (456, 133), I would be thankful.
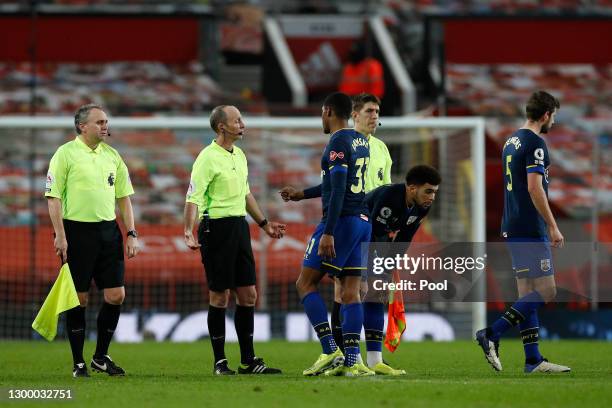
(86, 176)
(219, 195)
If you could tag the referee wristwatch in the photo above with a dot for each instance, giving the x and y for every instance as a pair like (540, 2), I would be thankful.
(132, 233)
(263, 223)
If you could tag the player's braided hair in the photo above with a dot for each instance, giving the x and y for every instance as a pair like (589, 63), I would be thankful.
(82, 114)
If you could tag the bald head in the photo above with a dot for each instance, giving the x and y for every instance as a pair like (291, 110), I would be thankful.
(218, 116)
(226, 120)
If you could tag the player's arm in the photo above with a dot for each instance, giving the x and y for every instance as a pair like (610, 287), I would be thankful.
(54, 191)
(407, 233)
(273, 229)
(540, 202)
(202, 175)
(378, 217)
(338, 188)
(338, 173)
(127, 215)
(123, 190)
(59, 242)
(189, 217)
(292, 194)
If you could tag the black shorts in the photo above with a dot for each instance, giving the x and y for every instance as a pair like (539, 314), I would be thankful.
(227, 254)
(95, 250)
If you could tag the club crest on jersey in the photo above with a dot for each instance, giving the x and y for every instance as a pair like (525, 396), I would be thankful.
(411, 219)
(545, 265)
(333, 155)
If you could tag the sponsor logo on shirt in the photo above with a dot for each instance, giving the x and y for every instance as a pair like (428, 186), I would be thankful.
(333, 155)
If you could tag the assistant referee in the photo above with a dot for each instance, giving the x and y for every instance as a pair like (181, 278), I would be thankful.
(86, 177)
(219, 195)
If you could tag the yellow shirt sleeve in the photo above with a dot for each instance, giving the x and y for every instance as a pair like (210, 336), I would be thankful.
(56, 176)
(202, 175)
(123, 185)
(388, 164)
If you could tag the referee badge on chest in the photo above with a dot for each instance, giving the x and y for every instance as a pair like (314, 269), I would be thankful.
(111, 178)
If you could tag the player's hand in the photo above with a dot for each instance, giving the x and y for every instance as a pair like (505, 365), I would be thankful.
(291, 194)
(326, 247)
(132, 246)
(556, 239)
(61, 247)
(275, 229)
(190, 241)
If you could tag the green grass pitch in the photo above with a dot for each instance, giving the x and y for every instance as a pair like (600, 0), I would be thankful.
(451, 374)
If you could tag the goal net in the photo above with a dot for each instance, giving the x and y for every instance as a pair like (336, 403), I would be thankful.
(167, 296)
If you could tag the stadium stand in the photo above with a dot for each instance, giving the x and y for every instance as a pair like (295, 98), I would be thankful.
(498, 91)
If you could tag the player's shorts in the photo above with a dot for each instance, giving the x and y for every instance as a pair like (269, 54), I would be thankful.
(351, 231)
(95, 250)
(531, 257)
(227, 254)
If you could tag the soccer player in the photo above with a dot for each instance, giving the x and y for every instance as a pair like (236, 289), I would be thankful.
(396, 212)
(366, 111)
(335, 246)
(529, 228)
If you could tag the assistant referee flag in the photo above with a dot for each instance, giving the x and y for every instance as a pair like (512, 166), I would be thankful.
(62, 297)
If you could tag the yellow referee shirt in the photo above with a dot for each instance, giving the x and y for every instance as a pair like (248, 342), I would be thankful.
(87, 181)
(219, 182)
(379, 168)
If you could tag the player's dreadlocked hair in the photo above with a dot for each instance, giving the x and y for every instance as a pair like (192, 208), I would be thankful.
(340, 103)
(422, 174)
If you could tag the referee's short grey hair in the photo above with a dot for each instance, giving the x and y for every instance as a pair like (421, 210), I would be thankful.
(82, 114)
(217, 116)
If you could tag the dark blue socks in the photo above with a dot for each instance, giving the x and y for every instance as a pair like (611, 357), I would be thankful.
(317, 314)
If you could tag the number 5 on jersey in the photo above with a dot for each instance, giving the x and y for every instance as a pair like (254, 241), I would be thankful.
(508, 172)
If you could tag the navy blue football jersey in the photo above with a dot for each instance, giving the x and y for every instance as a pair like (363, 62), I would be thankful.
(524, 152)
(347, 150)
(389, 213)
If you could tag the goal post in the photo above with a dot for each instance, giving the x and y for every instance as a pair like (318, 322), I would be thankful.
(159, 152)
